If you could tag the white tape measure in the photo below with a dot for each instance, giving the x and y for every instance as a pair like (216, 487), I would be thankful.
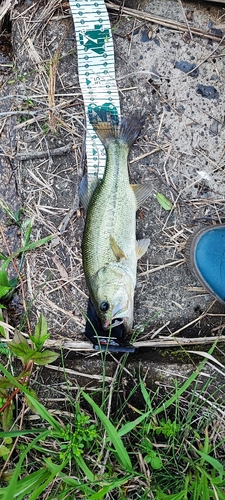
(96, 71)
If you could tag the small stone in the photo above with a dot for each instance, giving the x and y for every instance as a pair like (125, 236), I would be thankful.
(189, 14)
(207, 91)
(187, 67)
(144, 36)
(213, 129)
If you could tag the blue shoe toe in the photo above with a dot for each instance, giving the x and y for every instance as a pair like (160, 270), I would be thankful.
(207, 255)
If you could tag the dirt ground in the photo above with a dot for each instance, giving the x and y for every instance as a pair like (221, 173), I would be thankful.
(176, 79)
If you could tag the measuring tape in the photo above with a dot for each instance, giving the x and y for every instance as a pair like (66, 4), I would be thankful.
(96, 71)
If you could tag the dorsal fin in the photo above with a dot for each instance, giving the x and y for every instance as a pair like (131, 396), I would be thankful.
(88, 185)
(142, 192)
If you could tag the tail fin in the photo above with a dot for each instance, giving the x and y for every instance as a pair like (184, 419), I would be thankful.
(107, 127)
(130, 128)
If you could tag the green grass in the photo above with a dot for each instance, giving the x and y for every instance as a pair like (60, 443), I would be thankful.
(168, 451)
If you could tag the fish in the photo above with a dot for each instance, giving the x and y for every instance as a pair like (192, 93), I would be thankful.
(109, 247)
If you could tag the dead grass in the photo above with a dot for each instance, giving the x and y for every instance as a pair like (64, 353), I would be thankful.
(47, 103)
(163, 21)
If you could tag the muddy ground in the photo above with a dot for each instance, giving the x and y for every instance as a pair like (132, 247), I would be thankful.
(180, 153)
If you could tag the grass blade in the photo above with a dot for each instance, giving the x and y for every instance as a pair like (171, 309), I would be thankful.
(122, 454)
(29, 483)
(129, 426)
(12, 434)
(80, 461)
(11, 488)
(109, 487)
(213, 462)
(44, 485)
(146, 395)
(26, 248)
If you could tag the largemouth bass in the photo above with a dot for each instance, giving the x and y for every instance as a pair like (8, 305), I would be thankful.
(109, 248)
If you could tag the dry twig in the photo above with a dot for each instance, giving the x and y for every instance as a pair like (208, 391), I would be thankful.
(33, 155)
(168, 23)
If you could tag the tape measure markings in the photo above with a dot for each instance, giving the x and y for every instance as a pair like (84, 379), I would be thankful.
(96, 71)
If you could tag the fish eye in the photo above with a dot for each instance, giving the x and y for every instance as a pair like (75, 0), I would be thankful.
(104, 306)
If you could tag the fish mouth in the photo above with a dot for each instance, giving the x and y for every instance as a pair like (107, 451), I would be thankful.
(122, 314)
(112, 324)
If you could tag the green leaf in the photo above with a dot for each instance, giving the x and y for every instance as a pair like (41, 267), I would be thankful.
(45, 357)
(109, 487)
(4, 290)
(6, 477)
(12, 434)
(39, 407)
(40, 333)
(3, 256)
(29, 483)
(175, 496)
(4, 451)
(8, 440)
(122, 454)
(7, 417)
(131, 425)
(14, 282)
(2, 331)
(43, 486)
(220, 494)
(18, 338)
(22, 351)
(28, 401)
(11, 488)
(163, 201)
(82, 464)
(20, 347)
(156, 463)
(3, 395)
(14, 216)
(4, 279)
(41, 410)
(41, 328)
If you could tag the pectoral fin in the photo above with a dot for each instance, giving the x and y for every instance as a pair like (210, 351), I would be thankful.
(141, 247)
(141, 191)
(116, 249)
